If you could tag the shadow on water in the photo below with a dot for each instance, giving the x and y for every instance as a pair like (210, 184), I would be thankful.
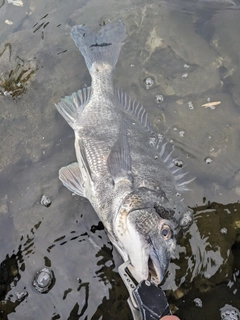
(190, 51)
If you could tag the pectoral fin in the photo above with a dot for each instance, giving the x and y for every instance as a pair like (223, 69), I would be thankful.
(72, 179)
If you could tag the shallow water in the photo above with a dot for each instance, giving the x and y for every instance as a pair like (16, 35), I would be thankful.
(191, 51)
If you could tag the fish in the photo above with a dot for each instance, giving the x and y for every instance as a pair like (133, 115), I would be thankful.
(124, 168)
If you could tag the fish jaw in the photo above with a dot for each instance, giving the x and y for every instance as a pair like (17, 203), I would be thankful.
(149, 264)
(160, 253)
(149, 253)
(137, 252)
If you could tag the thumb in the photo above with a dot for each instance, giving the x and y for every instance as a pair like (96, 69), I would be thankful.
(170, 318)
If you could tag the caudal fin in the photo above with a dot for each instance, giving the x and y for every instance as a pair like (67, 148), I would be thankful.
(101, 47)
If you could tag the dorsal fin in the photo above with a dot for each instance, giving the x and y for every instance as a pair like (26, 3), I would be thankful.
(164, 148)
(177, 169)
(135, 109)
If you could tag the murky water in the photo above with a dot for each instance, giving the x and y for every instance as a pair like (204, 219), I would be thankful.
(191, 52)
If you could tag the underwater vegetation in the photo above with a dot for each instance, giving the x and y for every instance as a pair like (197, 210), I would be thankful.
(14, 83)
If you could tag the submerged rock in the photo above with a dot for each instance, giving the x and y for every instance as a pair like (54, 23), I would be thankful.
(45, 201)
(229, 312)
(43, 280)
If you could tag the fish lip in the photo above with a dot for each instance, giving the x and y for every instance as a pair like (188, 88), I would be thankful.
(158, 263)
(156, 272)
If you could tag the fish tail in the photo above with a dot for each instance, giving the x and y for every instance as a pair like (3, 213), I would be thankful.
(102, 47)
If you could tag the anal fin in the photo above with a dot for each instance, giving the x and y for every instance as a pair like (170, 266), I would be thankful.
(72, 179)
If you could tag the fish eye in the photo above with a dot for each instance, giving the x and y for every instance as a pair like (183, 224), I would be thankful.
(166, 232)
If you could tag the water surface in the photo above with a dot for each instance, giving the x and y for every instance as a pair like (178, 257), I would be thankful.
(191, 51)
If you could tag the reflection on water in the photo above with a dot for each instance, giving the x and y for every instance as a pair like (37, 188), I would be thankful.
(191, 51)
(205, 255)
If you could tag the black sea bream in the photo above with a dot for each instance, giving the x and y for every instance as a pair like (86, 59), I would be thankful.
(123, 167)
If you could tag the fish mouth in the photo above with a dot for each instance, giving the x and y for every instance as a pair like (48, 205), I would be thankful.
(156, 272)
(158, 262)
(153, 272)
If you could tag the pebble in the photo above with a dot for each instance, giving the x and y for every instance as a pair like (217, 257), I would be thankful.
(223, 230)
(9, 22)
(208, 160)
(229, 312)
(43, 279)
(198, 302)
(190, 105)
(152, 141)
(20, 296)
(181, 133)
(148, 82)
(45, 201)
(178, 163)
(185, 75)
(159, 98)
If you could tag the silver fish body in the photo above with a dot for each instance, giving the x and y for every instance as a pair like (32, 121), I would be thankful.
(123, 167)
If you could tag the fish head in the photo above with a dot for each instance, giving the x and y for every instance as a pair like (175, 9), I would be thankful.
(150, 243)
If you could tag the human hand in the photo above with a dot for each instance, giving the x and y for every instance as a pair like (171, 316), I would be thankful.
(170, 318)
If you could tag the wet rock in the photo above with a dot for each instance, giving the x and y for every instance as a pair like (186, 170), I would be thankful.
(43, 280)
(21, 295)
(159, 98)
(223, 230)
(178, 163)
(179, 293)
(208, 160)
(148, 82)
(237, 224)
(229, 312)
(198, 302)
(190, 105)
(185, 75)
(45, 201)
